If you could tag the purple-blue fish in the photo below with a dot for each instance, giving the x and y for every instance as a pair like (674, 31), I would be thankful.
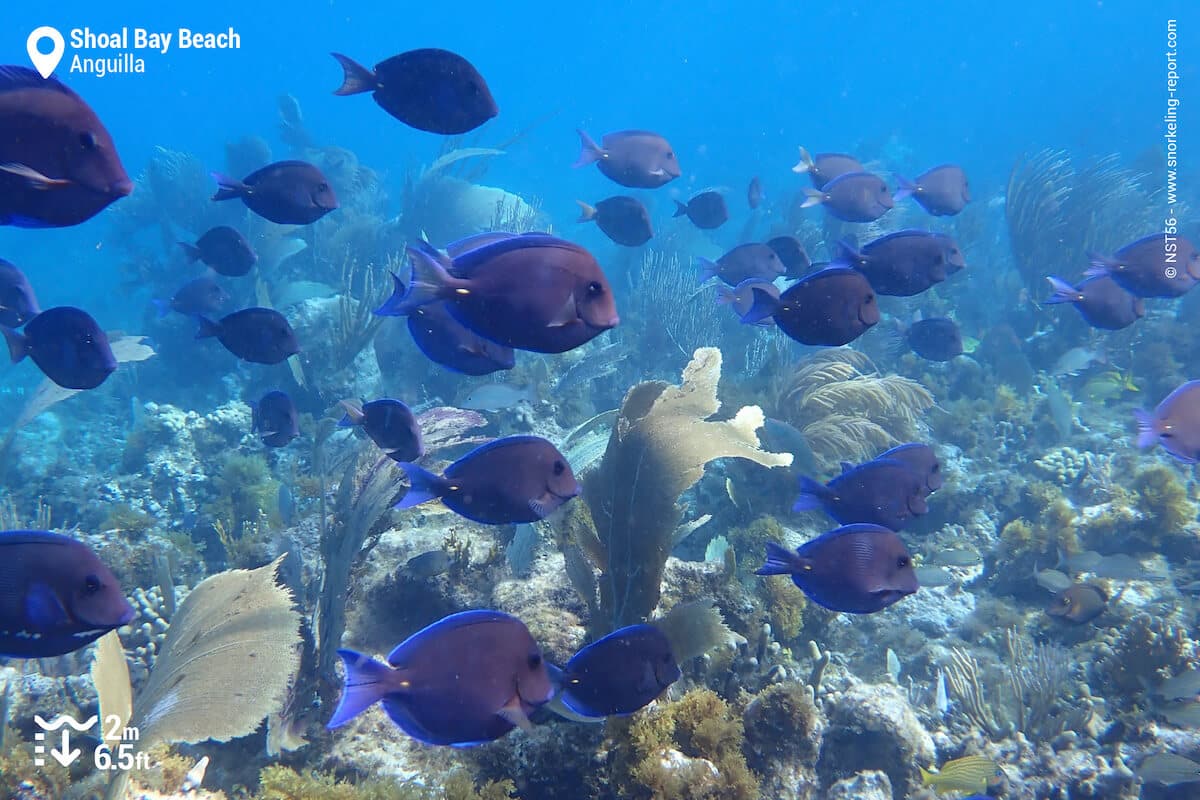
(832, 307)
(274, 419)
(1100, 300)
(742, 263)
(858, 569)
(428, 89)
(920, 458)
(200, 296)
(286, 192)
(706, 210)
(58, 163)
(884, 492)
(390, 424)
(224, 249)
(934, 339)
(852, 197)
(903, 263)
(741, 297)
(261, 335)
(942, 191)
(67, 345)
(1175, 424)
(824, 167)
(56, 596)
(18, 303)
(509, 480)
(637, 159)
(530, 292)
(622, 219)
(446, 341)
(466, 679)
(620, 673)
(1158, 265)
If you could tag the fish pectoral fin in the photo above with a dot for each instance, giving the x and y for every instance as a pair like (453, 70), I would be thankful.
(43, 608)
(34, 178)
(567, 315)
(538, 507)
(658, 173)
(513, 713)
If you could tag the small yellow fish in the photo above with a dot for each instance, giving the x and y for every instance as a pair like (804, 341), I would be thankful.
(966, 774)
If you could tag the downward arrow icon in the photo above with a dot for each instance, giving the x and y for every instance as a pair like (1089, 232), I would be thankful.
(66, 756)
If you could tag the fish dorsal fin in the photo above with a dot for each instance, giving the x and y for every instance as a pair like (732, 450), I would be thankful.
(14, 77)
(34, 537)
(846, 467)
(463, 619)
(497, 444)
(466, 262)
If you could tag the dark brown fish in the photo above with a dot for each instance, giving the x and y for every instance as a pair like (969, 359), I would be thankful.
(742, 263)
(201, 296)
(18, 303)
(637, 159)
(622, 219)
(429, 89)
(858, 569)
(67, 345)
(225, 250)
(883, 491)
(1100, 300)
(942, 191)
(509, 480)
(791, 252)
(934, 339)
(530, 292)
(754, 193)
(832, 307)
(1079, 603)
(706, 210)
(390, 424)
(1158, 265)
(261, 335)
(826, 166)
(58, 164)
(1175, 424)
(275, 419)
(286, 192)
(852, 197)
(58, 596)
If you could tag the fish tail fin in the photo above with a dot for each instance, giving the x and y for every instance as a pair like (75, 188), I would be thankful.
(354, 414)
(208, 328)
(423, 486)
(812, 197)
(897, 341)
(780, 561)
(907, 188)
(845, 254)
(586, 213)
(228, 188)
(708, 269)
(1063, 291)
(1147, 434)
(366, 684)
(811, 495)
(17, 344)
(764, 305)
(589, 151)
(1100, 265)
(357, 78)
(681, 210)
(391, 307)
(161, 307)
(191, 251)
(430, 282)
(805, 164)
(927, 777)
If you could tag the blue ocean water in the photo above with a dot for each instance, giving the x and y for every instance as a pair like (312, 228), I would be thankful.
(1035, 432)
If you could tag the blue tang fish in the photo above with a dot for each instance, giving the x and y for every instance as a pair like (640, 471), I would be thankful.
(883, 492)
(859, 569)
(466, 679)
(67, 345)
(390, 424)
(620, 673)
(56, 596)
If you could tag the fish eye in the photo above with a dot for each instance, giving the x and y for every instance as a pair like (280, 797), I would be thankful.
(902, 562)
(535, 660)
(91, 584)
(559, 467)
(87, 140)
(871, 298)
(595, 288)
(323, 187)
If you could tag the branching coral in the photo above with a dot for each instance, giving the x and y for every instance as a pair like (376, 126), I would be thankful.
(659, 446)
(846, 409)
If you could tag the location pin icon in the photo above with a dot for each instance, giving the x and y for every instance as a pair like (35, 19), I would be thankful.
(45, 63)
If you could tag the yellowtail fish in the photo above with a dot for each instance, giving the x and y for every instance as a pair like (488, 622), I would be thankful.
(1109, 386)
(967, 774)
